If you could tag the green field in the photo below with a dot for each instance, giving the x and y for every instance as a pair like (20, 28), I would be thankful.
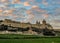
(12, 38)
(29, 40)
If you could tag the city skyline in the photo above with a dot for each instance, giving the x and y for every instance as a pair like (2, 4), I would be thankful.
(31, 11)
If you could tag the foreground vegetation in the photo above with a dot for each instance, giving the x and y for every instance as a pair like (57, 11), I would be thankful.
(42, 40)
(16, 38)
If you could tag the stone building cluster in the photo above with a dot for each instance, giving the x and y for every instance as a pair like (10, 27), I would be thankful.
(10, 26)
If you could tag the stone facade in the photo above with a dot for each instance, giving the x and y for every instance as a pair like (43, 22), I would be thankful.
(18, 27)
(25, 25)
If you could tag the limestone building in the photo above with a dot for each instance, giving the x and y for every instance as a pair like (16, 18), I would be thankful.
(26, 28)
(25, 25)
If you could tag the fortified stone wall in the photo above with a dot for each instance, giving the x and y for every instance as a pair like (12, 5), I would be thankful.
(18, 24)
(25, 25)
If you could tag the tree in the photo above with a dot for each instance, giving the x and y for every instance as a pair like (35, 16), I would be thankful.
(48, 32)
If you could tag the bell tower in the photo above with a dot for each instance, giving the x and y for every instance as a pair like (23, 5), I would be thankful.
(43, 22)
(37, 22)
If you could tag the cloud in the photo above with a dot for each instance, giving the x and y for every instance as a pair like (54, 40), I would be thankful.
(29, 18)
(30, 0)
(14, 16)
(4, 0)
(30, 15)
(55, 26)
(28, 12)
(8, 15)
(34, 6)
(36, 11)
(1, 15)
(26, 4)
(45, 2)
(2, 5)
(1, 10)
(57, 12)
(45, 15)
(8, 11)
(56, 21)
(16, 1)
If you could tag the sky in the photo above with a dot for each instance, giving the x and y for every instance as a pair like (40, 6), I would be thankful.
(31, 11)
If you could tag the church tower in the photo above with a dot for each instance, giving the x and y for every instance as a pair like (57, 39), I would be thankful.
(37, 22)
(44, 22)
